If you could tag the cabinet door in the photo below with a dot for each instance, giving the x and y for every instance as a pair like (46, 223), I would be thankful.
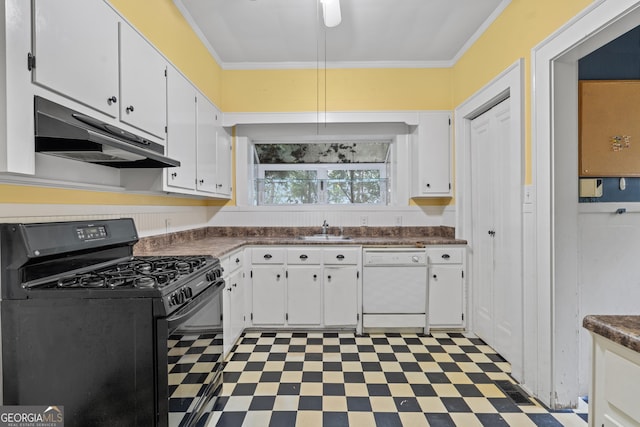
(181, 131)
(236, 305)
(303, 295)
(340, 296)
(223, 163)
(432, 156)
(76, 46)
(268, 295)
(445, 296)
(206, 146)
(143, 83)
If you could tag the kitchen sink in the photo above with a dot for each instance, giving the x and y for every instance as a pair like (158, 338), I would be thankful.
(325, 238)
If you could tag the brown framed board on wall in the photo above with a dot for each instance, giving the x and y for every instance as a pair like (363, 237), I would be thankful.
(609, 128)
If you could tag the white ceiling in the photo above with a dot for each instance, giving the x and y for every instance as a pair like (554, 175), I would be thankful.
(248, 34)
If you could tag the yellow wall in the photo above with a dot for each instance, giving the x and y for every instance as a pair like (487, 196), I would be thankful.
(164, 26)
(346, 90)
(522, 25)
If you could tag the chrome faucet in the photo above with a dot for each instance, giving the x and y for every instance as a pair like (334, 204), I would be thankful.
(325, 227)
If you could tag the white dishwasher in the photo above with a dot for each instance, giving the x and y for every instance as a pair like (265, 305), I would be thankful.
(394, 288)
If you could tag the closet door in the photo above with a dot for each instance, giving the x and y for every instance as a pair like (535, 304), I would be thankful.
(495, 291)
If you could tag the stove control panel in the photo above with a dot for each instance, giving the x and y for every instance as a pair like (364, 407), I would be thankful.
(179, 296)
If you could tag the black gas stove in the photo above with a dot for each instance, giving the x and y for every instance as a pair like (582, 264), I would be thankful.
(87, 326)
(95, 260)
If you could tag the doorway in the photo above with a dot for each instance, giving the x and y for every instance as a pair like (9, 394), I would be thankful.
(554, 140)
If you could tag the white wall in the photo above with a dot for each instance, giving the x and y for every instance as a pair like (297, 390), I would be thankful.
(609, 273)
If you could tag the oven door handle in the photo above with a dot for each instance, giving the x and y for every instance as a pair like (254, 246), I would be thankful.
(188, 311)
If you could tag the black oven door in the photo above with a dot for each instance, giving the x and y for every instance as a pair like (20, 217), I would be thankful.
(193, 354)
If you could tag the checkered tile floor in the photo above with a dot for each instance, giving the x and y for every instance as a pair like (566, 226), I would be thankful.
(337, 379)
(193, 361)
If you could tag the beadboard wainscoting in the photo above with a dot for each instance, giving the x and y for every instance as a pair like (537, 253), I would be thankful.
(152, 220)
(149, 220)
(336, 216)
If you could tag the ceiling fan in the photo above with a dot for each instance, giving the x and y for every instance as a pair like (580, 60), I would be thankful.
(331, 12)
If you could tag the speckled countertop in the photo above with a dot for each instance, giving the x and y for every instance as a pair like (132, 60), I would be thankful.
(621, 329)
(218, 241)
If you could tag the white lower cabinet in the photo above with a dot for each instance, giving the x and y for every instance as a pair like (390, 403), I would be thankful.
(446, 287)
(341, 295)
(305, 286)
(233, 299)
(304, 295)
(268, 295)
(615, 384)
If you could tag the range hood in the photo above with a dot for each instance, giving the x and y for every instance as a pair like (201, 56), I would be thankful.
(62, 132)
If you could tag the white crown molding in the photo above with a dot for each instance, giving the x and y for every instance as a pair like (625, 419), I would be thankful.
(408, 117)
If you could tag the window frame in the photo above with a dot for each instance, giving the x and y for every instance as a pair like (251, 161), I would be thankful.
(322, 170)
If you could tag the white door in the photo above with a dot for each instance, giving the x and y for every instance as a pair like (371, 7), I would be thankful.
(340, 296)
(181, 130)
(206, 146)
(76, 46)
(304, 295)
(495, 291)
(143, 83)
(268, 295)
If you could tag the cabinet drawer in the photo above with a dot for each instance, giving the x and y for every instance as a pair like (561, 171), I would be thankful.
(445, 255)
(341, 255)
(267, 255)
(303, 256)
(232, 262)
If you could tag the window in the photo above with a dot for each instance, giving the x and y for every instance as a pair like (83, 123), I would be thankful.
(321, 173)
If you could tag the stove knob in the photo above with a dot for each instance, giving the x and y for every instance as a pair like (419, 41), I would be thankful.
(188, 292)
(173, 300)
(179, 297)
(211, 276)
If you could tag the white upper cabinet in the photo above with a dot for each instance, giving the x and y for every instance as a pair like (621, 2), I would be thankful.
(193, 138)
(84, 51)
(142, 83)
(431, 156)
(75, 43)
(206, 145)
(223, 163)
(181, 131)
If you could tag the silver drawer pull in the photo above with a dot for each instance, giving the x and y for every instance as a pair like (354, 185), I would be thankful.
(303, 256)
(268, 256)
(340, 257)
(446, 256)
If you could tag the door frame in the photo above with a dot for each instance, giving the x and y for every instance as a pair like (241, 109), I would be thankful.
(508, 84)
(555, 174)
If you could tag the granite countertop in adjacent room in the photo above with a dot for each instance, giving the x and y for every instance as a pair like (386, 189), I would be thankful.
(621, 329)
(218, 241)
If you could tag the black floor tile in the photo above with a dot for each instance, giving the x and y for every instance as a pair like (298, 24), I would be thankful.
(262, 403)
(387, 419)
(335, 419)
(455, 404)
(283, 419)
(358, 404)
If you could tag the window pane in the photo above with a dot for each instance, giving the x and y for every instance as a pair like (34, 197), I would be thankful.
(287, 187)
(355, 186)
